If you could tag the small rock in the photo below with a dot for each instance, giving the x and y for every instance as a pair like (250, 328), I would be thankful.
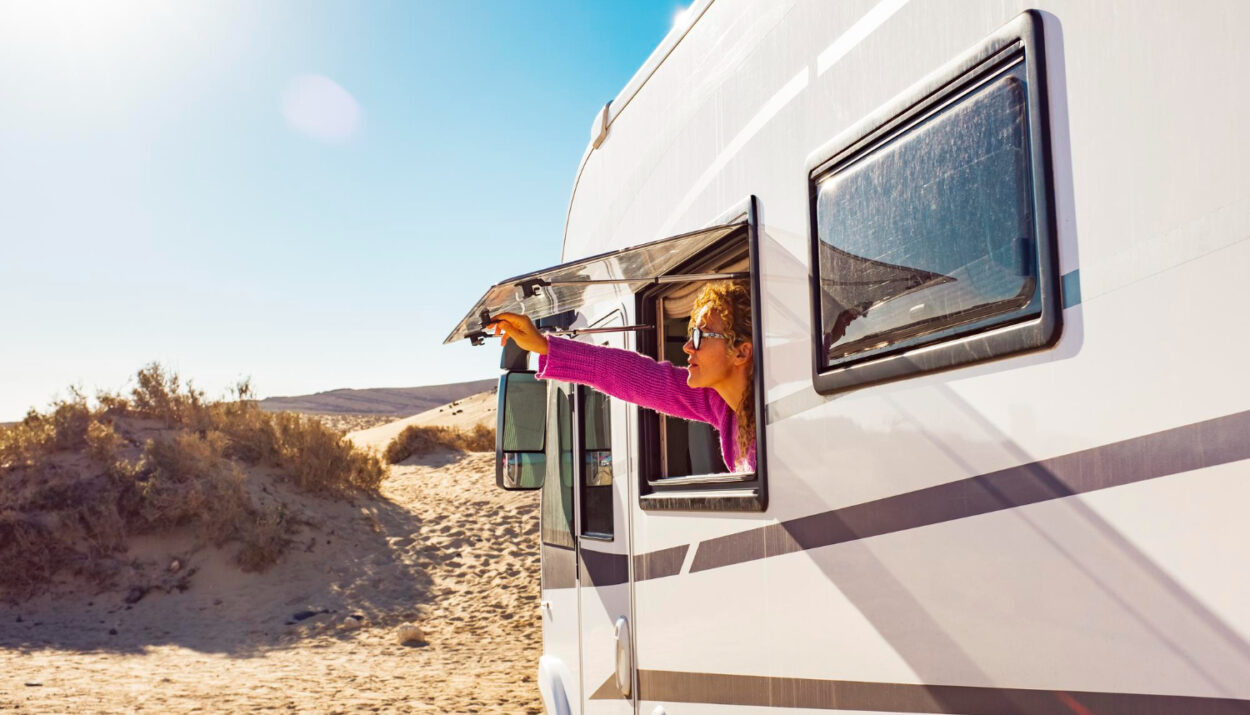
(19, 619)
(112, 631)
(305, 615)
(410, 634)
(216, 601)
(174, 566)
(351, 622)
(34, 684)
(136, 594)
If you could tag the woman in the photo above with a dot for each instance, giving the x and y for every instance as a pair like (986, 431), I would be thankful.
(717, 387)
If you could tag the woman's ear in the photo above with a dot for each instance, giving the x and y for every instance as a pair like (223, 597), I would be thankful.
(742, 353)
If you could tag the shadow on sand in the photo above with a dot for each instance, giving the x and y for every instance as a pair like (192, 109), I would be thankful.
(363, 562)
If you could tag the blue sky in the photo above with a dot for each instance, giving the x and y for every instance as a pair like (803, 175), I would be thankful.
(307, 193)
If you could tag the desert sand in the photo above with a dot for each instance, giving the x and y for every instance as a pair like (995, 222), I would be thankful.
(441, 549)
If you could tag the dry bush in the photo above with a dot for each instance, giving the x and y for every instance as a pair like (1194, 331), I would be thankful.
(30, 551)
(102, 442)
(55, 519)
(69, 420)
(112, 404)
(26, 443)
(162, 396)
(319, 459)
(417, 440)
(313, 455)
(39, 435)
(189, 481)
(58, 511)
(252, 433)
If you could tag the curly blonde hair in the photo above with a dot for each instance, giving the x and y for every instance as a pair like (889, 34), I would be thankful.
(732, 302)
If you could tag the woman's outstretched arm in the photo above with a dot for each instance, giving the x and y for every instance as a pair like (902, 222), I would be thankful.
(622, 374)
(626, 375)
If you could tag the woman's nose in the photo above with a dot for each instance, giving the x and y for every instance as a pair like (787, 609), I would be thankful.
(688, 347)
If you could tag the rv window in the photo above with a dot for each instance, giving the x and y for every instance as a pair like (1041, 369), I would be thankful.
(687, 447)
(680, 461)
(596, 486)
(930, 234)
(557, 494)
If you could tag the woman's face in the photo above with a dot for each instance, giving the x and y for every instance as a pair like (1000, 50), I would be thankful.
(713, 363)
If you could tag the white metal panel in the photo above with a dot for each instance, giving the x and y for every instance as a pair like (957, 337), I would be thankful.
(1121, 590)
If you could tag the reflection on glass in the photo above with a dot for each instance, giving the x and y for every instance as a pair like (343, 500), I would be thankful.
(636, 265)
(523, 470)
(931, 231)
(524, 413)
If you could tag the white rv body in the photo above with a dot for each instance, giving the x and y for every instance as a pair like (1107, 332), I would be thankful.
(1130, 598)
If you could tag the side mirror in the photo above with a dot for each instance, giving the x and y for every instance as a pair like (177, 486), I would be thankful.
(521, 433)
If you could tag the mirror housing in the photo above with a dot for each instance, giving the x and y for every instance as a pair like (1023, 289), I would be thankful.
(521, 432)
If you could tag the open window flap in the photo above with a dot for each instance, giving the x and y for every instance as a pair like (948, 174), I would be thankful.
(608, 276)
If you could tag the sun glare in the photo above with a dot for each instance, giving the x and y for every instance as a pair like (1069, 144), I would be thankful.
(79, 27)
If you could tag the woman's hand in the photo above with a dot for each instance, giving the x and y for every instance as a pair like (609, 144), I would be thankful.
(522, 331)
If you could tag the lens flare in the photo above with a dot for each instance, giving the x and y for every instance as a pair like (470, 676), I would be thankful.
(318, 107)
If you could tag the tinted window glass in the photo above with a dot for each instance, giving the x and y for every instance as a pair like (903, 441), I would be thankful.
(931, 233)
(596, 463)
(557, 494)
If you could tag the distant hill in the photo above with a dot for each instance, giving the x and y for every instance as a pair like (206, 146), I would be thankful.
(398, 401)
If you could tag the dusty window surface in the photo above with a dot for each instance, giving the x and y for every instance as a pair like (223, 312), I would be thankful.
(932, 233)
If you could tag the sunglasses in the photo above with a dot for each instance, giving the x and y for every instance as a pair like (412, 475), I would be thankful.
(698, 334)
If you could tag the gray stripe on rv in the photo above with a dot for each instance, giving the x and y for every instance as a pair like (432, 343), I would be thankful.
(777, 692)
(1181, 449)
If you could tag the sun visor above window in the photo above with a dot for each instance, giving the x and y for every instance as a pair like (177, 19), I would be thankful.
(605, 277)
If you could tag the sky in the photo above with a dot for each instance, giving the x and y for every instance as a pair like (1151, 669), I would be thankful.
(306, 194)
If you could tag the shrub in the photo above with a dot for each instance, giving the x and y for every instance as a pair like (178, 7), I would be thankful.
(319, 459)
(69, 420)
(161, 396)
(417, 440)
(26, 443)
(190, 481)
(57, 513)
(102, 442)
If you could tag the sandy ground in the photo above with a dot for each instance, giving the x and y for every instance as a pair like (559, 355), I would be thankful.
(353, 423)
(317, 633)
(462, 414)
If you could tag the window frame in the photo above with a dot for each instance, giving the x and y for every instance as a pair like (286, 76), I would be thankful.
(706, 492)
(1019, 41)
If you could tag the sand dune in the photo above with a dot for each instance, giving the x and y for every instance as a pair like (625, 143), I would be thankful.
(462, 414)
(394, 401)
(442, 549)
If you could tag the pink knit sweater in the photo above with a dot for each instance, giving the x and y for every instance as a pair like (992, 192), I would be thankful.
(635, 378)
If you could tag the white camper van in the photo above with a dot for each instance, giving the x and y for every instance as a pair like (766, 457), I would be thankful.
(996, 252)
